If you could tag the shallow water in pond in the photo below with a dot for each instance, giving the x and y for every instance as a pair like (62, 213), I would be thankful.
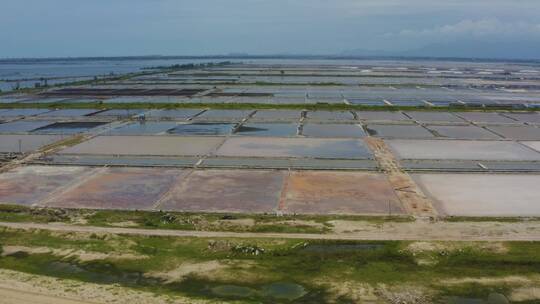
(97, 273)
(202, 129)
(279, 291)
(267, 130)
(321, 248)
(105, 273)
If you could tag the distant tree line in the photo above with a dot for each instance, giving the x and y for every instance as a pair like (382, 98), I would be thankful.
(189, 66)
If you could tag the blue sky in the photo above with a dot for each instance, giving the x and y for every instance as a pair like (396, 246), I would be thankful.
(53, 28)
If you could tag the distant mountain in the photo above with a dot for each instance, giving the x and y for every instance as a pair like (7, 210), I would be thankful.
(522, 50)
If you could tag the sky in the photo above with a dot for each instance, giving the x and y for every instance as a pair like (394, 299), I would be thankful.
(71, 28)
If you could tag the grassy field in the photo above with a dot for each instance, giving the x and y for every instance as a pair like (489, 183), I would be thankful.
(279, 271)
(187, 221)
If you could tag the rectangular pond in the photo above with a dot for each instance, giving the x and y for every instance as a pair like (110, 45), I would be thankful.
(330, 115)
(23, 126)
(461, 150)
(463, 132)
(267, 129)
(119, 188)
(485, 117)
(23, 143)
(398, 131)
(30, 185)
(332, 192)
(143, 128)
(23, 112)
(69, 113)
(120, 113)
(198, 129)
(68, 127)
(517, 132)
(434, 117)
(482, 194)
(295, 148)
(239, 191)
(147, 145)
(224, 115)
(277, 115)
(174, 114)
(333, 130)
(386, 116)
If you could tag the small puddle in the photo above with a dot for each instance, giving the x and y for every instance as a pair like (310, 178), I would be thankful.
(99, 273)
(278, 291)
(233, 291)
(284, 291)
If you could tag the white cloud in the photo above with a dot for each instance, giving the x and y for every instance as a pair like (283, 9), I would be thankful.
(474, 28)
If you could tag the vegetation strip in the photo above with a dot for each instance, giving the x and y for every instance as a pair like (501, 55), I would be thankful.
(273, 270)
(253, 106)
(357, 236)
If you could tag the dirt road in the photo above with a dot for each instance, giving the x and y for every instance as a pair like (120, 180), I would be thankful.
(343, 230)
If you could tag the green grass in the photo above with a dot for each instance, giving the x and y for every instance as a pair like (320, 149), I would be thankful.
(458, 219)
(247, 106)
(282, 261)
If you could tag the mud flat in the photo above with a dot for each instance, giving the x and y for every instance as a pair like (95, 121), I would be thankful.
(340, 193)
(146, 145)
(504, 195)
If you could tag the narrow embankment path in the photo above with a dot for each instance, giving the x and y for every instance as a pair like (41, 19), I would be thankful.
(414, 201)
(16, 296)
(413, 231)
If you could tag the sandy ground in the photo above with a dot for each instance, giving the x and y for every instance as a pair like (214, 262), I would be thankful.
(343, 230)
(13, 296)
